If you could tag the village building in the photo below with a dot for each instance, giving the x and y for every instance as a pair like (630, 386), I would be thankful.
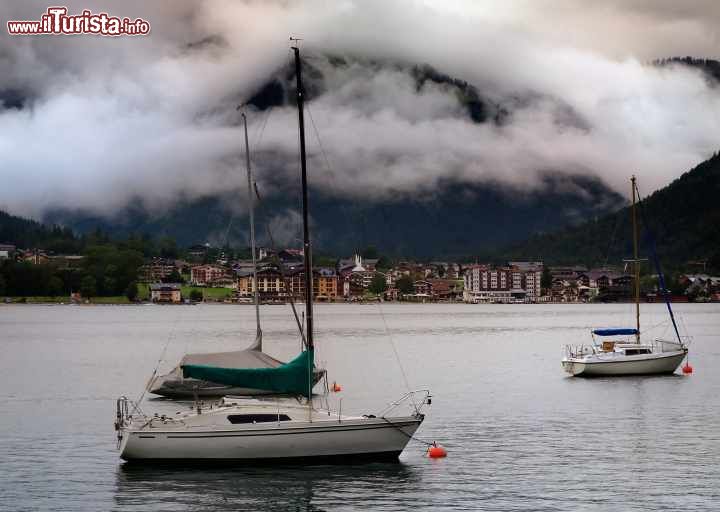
(291, 257)
(356, 271)
(35, 256)
(702, 287)
(209, 275)
(271, 284)
(445, 289)
(7, 251)
(165, 293)
(352, 286)
(66, 261)
(327, 284)
(198, 252)
(483, 283)
(157, 269)
(423, 288)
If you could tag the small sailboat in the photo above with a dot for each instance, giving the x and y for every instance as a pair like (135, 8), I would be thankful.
(174, 385)
(253, 430)
(619, 355)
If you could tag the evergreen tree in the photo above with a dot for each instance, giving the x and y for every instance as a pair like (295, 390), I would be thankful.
(405, 285)
(55, 286)
(378, 284)
(88, 287)
(132, 291)
(546, 278)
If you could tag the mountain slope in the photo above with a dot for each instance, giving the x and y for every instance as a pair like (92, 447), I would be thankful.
(25, 233)
(684, 217)
(455, 221)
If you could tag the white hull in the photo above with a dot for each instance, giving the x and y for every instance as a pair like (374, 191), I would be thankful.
(366, 438)
(613, 365)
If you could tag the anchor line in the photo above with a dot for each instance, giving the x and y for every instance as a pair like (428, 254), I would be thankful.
(409, 436)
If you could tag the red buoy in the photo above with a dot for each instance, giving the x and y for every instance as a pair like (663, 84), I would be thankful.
(336, 388)
(687, 369)
(436, 451)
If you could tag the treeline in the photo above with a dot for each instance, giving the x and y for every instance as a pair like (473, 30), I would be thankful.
(709, 66)
(108, 267)
(28, 233)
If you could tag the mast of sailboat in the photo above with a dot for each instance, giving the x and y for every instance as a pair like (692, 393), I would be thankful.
(636, 263)
(307, 251)
(251, 203)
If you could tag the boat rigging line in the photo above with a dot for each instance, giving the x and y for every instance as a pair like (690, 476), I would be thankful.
(661, 279)
(159, 361)
(332, 175)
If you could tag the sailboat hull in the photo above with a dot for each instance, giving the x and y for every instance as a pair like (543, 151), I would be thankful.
(375, 439)
(654, 364)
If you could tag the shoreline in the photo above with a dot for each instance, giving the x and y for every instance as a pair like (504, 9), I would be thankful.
(354, 303)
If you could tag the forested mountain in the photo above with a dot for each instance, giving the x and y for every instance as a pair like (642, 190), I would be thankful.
(456, 221)
(27, 233)
(462, 220)
(684, 218)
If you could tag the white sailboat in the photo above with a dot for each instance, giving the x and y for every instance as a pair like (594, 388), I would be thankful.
(174, 385)
(253, 431)
(622, 356)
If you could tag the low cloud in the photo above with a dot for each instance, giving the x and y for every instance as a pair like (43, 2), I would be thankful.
(106, 120)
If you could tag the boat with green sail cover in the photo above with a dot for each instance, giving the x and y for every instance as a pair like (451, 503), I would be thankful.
(251, 431)
(177, 384)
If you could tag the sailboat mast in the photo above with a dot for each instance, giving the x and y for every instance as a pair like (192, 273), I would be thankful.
(307, 251)
(636, 262)
(251, 203)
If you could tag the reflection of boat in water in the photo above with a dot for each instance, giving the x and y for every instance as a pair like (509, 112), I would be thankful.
(250, 431)
(175, 385)
(628, 357)
(306, 488)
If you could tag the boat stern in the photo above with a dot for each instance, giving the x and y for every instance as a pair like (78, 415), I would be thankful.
(573, 366)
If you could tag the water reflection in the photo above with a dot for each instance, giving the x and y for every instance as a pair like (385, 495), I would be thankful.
(294, 488)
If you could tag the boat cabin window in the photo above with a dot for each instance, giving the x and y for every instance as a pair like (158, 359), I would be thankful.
(237, 419)
(636, 351)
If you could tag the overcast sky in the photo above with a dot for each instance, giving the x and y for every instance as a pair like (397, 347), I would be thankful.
(153, 117)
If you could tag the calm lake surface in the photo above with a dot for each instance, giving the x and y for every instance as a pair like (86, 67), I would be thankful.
(520, 434)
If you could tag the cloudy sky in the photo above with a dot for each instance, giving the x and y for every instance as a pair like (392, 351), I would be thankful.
(108, 120)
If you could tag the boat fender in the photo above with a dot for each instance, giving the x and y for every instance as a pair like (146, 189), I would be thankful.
(435, 451)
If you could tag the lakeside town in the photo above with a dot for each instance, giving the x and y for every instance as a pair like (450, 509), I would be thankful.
(206, 274)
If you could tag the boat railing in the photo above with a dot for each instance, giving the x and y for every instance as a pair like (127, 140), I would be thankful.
(125, 409)
(670, 345)
(418, 398)
(579, 350)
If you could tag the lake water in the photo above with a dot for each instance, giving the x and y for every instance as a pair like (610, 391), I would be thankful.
(520, 434)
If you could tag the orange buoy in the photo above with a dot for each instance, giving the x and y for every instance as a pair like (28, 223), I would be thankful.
(687, 369)
(336, 388)
(436, 451)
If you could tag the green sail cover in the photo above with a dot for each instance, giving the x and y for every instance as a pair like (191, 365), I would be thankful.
(292, 377)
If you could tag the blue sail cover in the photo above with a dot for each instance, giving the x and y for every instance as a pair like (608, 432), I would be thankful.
(615, 332)
(292, 377)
